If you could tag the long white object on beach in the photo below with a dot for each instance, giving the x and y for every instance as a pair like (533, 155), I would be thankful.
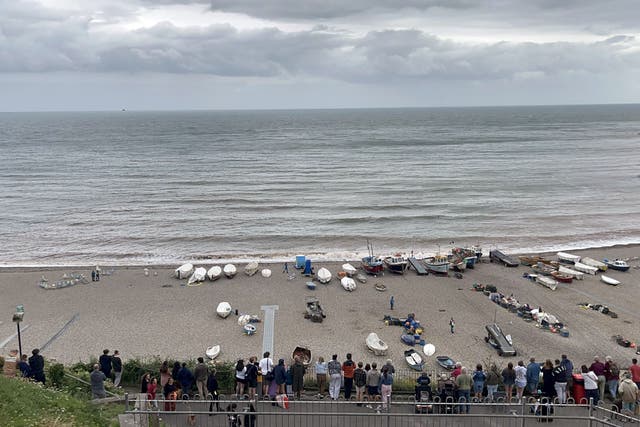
(565, 257)
(8, 340)
(585, 268)
(571, 272)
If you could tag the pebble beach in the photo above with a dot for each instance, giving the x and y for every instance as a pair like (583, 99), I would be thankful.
(155, 315)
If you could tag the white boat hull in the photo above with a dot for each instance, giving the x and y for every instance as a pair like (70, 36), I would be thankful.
(609, 280)
(571, 272)
(224, 309)
(266, 273)
(594, 263)
(568, 258)
(214, 273)
(229, 270)
(213, 352)
(184, 271)
(348, 284)
(198, 276)
(376, 345)
(584, 268)
(323, 275)
(547, 282)
(251, 268)
(349, 269)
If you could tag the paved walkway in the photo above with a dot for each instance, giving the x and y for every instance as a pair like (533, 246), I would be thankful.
(269, 324)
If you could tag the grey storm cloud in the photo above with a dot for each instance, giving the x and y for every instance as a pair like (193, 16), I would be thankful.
(35, 39)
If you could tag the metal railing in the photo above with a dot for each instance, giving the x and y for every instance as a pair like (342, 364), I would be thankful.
(397, 413)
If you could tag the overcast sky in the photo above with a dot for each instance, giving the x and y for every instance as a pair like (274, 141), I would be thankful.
(228, 54)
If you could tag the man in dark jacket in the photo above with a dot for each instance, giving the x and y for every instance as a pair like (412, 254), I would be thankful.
(185, 378)
(348, 369)
(36, 362)
(200, 373)
(212, 388)
(105, 363)
(251, 377)
(297, 372)
(116, 364)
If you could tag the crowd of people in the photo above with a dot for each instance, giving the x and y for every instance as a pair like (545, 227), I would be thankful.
(366, 383)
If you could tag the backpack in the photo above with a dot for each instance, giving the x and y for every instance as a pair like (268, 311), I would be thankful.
(615, 371)
(479, 376)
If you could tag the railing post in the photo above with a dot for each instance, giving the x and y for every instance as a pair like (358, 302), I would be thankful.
(522, 418)
(388, 409)
(590, 411)
(126, 402)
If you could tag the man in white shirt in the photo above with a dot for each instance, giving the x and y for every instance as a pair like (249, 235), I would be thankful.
(265, 365)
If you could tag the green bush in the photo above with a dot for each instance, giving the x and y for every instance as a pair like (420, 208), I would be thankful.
(1, 363)
(56, 374)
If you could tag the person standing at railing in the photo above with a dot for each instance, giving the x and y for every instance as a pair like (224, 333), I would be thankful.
(612, 375)
(171, 395)
(321, 376)
(533, 376)
(598, 368)
(629, 393)
(348, 368)
(152, 389)
(251, 377)
(493, 381)
(463, 385)
(590, 384)
(201, 373)
(36, 363)
(508, 379)
(373, 379)
(297, 373)
(105, 363)
(164, 373)
(360, 381)
(560, 377)
(335, 377)
(385, 386)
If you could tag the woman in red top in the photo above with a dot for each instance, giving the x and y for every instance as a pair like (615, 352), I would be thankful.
(152, 388)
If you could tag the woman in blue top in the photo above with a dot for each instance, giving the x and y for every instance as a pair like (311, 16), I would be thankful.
(386, 381)
(280, 376)
(479, 378)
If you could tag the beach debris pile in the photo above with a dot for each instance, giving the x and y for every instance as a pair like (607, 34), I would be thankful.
(544, 320)
(314, 310)
(599, 307)
(621, 341)
(67, 280)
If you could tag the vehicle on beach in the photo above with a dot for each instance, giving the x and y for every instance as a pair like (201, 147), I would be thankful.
(617, 264)
(609, 280)
(498, 340)
(396, 264)
(497, 256)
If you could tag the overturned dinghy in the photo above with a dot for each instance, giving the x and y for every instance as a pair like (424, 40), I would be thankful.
(224, 309)
(184, 271)
(323, 275)
(349, 269)
(251, 268)
(414, 360)
(213, 351)
(361, 278)
(229, 270)
(609, 280)
(266, 273)
(348, 284)
(198, 276)
(214, 273)
(376, 345)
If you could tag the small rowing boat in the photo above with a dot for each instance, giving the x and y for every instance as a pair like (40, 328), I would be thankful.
(609, 280)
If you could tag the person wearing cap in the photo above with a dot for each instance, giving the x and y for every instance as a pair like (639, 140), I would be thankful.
(628, 392)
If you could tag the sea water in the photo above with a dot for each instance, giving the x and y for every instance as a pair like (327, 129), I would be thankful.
(164, 187)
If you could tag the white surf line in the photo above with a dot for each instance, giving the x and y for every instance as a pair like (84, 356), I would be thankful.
(8, 340)
(60, 332)
(269, 325)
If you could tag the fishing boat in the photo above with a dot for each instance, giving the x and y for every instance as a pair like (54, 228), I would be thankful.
(547, 282)
(213, 351)
(446, 362)
(617, 264)
(575, 274)
(542, 268)
(214, 273)
(251, 268)
(468, 255)
(323, 275)
(376, 345)
(198, 276)
(348, 284)
(584, 268)
(498, 256)
(457, 263)
(349, 269)
(562, 277)
(413, 359)
(568, 258)
(396, 264)
(184, 271)
(303, 353)
(230, 271)
(437, 264)
(530, 260)
(371, 263)
(224, 309)
(609, 280)
(594, 263)
(477, 250)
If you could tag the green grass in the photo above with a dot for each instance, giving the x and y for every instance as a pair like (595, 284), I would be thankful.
(24, 403)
